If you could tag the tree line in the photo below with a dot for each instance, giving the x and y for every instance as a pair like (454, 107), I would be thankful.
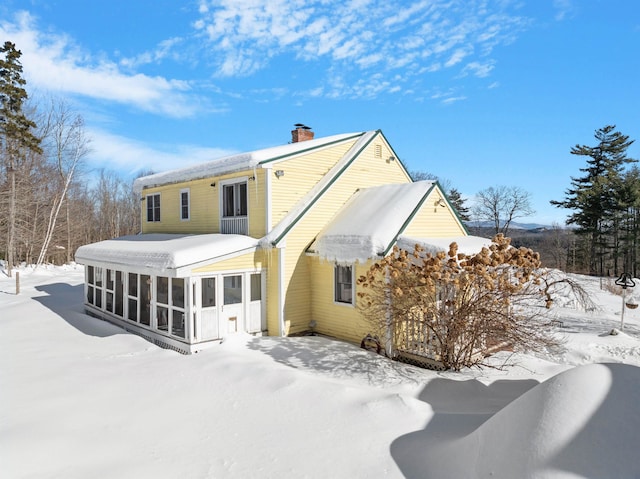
(49, 203)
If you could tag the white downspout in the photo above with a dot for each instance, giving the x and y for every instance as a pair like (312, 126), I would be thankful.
(281, 291)
(268, 203)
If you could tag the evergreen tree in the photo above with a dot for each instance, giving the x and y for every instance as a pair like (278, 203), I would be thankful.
(458, 202)
(596, 196)
(15, 131)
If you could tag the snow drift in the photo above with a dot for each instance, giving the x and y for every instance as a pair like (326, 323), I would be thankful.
(580, 423)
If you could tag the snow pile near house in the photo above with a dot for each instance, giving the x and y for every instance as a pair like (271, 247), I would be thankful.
(580, 423)
(234, 163)
(163, 251)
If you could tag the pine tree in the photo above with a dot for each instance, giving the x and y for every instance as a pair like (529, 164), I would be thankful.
(458, 202)
(595, 197)
(16, 135)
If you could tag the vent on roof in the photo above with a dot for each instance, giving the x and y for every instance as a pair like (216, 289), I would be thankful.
(378, 150)
(301, 133)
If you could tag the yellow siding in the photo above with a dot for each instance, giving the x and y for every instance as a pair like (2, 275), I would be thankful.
(433, 220)
(205, 205)
(301, 174)
(254, 260)
(367, 170)
(335, 319)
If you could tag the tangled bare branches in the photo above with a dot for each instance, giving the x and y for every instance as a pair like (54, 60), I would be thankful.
(455, 309)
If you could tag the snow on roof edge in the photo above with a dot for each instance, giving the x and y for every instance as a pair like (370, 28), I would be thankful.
(237, 162)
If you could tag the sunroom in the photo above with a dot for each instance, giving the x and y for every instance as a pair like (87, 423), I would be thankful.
(182, 292)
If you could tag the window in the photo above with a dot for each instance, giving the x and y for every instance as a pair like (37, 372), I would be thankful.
(132, 297)
(256, 287)
(232, 289)
(234, 200)
(343, 284)
(208, 292)
(153, 208)
(184, 204)
(145, 299)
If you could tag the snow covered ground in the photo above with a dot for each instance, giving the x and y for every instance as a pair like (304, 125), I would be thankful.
(81, 398)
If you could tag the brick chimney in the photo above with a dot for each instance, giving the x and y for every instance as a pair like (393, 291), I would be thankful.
(301, 133)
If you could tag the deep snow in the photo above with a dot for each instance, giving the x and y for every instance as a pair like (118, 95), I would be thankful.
(81, 398)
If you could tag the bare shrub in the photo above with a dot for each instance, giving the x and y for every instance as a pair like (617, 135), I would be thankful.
(456, 309)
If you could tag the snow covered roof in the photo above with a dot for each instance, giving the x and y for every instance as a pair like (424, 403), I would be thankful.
(238, 162)
(164, 251)
(278, 233)
(370, 222)
(466, 244)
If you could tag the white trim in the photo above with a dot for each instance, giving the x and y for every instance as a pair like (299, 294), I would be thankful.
(146, 209)
(188, 192)
(221, 185)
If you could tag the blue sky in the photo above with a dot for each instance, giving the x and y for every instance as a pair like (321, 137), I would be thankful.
(480, 93)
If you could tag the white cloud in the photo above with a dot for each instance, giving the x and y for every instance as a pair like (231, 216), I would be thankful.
(564, 9)
(357, 37)
(52, 62)
(120, 153)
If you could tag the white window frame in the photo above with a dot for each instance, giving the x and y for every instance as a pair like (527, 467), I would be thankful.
(335, 285)
(154, 219)
(188, 192)
(233, 182)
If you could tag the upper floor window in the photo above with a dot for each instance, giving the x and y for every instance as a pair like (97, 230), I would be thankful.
(185, 212)
(343, 281)
(234, 199)
(153, 207)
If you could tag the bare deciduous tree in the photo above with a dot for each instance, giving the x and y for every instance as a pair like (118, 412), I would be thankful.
(68, 145)
(501, 205)
(454, 309)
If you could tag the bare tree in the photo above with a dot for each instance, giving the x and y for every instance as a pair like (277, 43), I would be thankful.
(69, 145)
(501, 205)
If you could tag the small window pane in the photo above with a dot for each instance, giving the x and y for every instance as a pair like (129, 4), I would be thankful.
(133, 309)
(162, 315)
(119, 293)
(177, 323)
(232, 289)
(242, 199)
(227, 198)
(98, 298)
(162, 290)
(133, 284)
(208, 292)
(110, 302)
(110, 277)
(98, 276)
(90, 295)
(90, 275)
(177, 292)
(145, 299)
(256, 287)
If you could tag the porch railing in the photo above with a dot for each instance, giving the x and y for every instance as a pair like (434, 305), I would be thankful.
(235, 225)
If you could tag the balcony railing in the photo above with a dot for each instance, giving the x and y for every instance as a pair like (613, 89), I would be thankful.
(235, 225)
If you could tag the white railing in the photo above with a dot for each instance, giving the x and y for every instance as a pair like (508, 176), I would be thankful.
(235, 225)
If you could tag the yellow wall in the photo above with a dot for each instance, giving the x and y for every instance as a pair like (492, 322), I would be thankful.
(336, 319)
(367, 170)
(205, 205)
(254, 260)
(301, 174)
(433, 220)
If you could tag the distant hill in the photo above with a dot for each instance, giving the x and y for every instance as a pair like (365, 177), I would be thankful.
(512, 226)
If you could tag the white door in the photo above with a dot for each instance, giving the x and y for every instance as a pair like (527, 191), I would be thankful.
(231, 315)
(208, 309)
